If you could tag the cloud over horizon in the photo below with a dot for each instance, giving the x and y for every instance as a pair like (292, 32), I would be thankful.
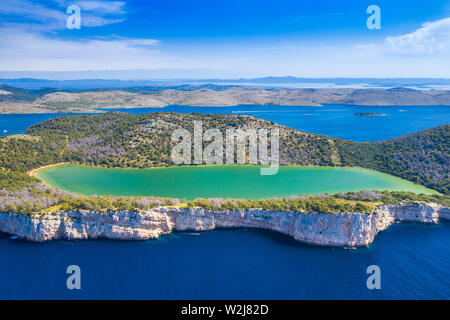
(23, 51)
(432, 37)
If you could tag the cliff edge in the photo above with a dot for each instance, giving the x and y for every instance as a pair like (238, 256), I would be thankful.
(324, 229)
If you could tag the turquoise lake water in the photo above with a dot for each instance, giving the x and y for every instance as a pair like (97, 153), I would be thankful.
(242, 182)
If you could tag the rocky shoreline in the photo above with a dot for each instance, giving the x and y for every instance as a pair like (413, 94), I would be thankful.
(323, 229)
(89, 101)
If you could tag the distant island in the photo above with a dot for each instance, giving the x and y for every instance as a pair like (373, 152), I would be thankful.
(369, 114)
(54, 100)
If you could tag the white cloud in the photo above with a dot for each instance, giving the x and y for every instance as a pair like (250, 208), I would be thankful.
(20, 50)
(29, 10)
(93, 13)
(422, 53)
(109, 7)
(33, 51)
(432, 37)
(95, 21)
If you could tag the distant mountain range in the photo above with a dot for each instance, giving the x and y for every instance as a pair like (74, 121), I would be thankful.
(33, 83)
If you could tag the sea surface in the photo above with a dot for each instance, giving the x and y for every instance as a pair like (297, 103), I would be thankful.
(243, 264)
(220, 181)
(18, 123)
(230, 264)
(332, 120)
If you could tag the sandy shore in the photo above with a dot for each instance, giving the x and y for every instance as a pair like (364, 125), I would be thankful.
(32, 173)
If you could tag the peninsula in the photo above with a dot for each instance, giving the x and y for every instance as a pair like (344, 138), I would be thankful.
(37, 212)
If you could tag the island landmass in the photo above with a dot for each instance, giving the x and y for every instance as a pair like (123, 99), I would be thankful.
(37, 212)
(369, 114)
(50, 100)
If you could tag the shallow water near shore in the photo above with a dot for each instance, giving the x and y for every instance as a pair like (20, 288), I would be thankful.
(230, 264)
(220, 181)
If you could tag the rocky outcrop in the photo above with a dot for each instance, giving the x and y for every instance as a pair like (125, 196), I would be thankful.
(325, 229)
(444, 213)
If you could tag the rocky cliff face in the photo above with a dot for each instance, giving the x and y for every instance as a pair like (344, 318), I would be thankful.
(325, 229)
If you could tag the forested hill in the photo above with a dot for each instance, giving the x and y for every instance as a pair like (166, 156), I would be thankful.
(422, 157)
(126, 140)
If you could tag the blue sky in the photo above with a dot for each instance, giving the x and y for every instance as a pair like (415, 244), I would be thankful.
(228, 38)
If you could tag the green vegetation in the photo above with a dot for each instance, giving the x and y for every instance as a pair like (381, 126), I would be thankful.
(364, 202)
(142, 141)
(296, 204)
(422, 157)
(394, 197)
(14, 180)
(106, 204)
(40, 199)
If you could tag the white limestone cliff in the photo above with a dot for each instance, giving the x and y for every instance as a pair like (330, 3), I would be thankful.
(325, 229)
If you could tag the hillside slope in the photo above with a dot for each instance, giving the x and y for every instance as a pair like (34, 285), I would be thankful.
(139, 141)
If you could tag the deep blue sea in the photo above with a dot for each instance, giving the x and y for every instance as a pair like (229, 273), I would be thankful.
(230, 264)
(331, 120)
(243, 264)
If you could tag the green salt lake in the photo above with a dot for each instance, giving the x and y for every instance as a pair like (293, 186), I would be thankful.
(220, 181)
